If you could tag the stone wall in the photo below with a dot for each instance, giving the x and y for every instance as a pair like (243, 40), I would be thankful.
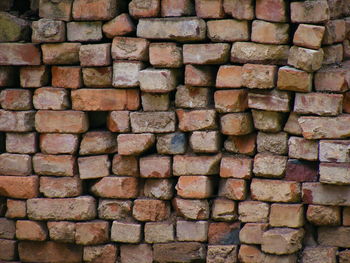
(174, 131)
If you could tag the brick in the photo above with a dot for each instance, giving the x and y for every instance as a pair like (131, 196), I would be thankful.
(282, 241)
(270, 33)
(135, 144)
(24, 143)
(196, 165)
(322, 194)
(344, 256)
(271, 10)
(125, 165)
(268, 121)
(259, 76)
(141, 253)
(61, 53)
(334, 236)
(191, 97)
(116, 187)
(252, 233)
(179, 8)
(162, 189)
(46, 30)
(159, 232)
(8, 76)
(292, 125)
(286, 215)
(334, 32)
(323, 215)
(168, 55)
(51, 99)
(228, 30)
(19, 187)
(301, 171)
(229, 76)
(60, 186)
(306, 59)
(16, 208)
(16, 121)
(231, 188)
(192, 231)
(300, 148)
(125, 73)
(155, 167)
(8, 249)
(77, 209)
(253, 211)
(94, 10)
(172, 143)
(244, 52)
(331, 78)
(196, 119)
(114, 209)
(248, 253)
(155, 122)
(310, 12)
(209, 9)
(95, 55)
(276, 143)
(245, 144)
(231, 100)
(105, 99)
(172, 29)
(16, 99)
(155, 102)
(334, 173)
(158, 80)
(309, 36)
(130, 48)
(219, 232)
(100, 253)
(58, 143)
(346, 102)
(13, 28)
(196, 187)
(150, 210)
(275, 190)
(237, 124)
(118, 121)
(319, 254)
(224, 210)
(273, 100)
(56, 165)
(91, 233)
(15, 164)
(236, 167)
(31, 230)
(239, 9)
(185, 252)
(66, 77)
(321, 104)
(207, 142)
(62, 231)
(333, 54)
(7, 228)
(345, 217)
(222, 253)
(294, 80)
(324, 127)
(84, 31)
(198, 76)
(98, 142)
(141, 8)
(203, 54)
(56, 10)
(34, 76)
(334, 151)
(19, 54)
(191, 209)
(119, 26)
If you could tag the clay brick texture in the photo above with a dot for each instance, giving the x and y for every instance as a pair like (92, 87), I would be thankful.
(175, 131)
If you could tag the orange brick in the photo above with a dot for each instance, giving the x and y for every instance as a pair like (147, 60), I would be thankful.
(119, 26)
(155, 167)
(140, 8)
(19, 54)
(237, 124)
(234, 167)
(231, 100)
(209, 8)
(202, 76)
(116, 187)
(66, 77)
(271, 10)
(92, 233)
(196, 187)
(150, 210)
(235, 189)
(229, 77)
(31, 230)
(94, 10)
(19, 187)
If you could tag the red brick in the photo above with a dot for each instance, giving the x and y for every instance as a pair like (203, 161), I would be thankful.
(234, 167)
(224, 210)
(259, 76)
(94, 10)
(231, 100)
(57, 11)
(98, 142)
(57, 165)
(114, 209)
(51, 99)
(162, 189)
(196, 119)
(209, 8)
(245, 144)
(172, 143)
(218, 233)
(271, 10)
(16, 121)
(34, 76)
(7, 228)
(19, 187)
(55, 143)
(8, 250)
(150, 210)
(323, 194)
(141, 253)
(100, 253)
(126, 73)
(270, 33)
(309, 36)
(62, 231)
(118, 121)
(94, 166)
(177, 8)
(47, 30)
(16, 99)
(306, 59)
(229, 76)
(135, 144)
(91, 233)
(191, 209)
(142, 8)
(273, 100)
(344, 256)
(66, 77)
(19, 54)
(155, 167)
(228, 30)
(292, 125)
(192, 97)
(205, 142)
(334, 236)
(202, 76)
(335, 32)
(130, 48)
(84, 31)
(252, 233)
(61, 53)
(240, 9)
(332, 78)
(119, 26)
(60, 186)
(116, 187)
(99, 77)
(8, 76)
(31, 230)
(294, 80)
(196, 165)
(333, 54)
(301, 171)
(95, 55)
(235, 189)
(15, 164)
(310, 12)
(125, 165)
(168, 55)
(250, 254)
(201, 54)
(196, 187)
(16, 208)
(237, 124)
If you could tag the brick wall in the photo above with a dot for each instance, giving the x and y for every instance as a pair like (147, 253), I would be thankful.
(174, 131)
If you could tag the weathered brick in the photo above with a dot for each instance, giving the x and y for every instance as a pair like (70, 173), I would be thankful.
(209, 8)
(192, 231)
(19, 187)
(306, 59)
(346, 216)
(31, 230)
(95, 55)
(250, 254)
(172, 29)
(61, 10)
(34, 76)
(196, 165)
(51, 99)
(196, 119)
(172, 143)
(248, 52)
(13, 28)
(119, 26)
(229, 76)
(7, 228)
(273, 100)
(191, 97)
(202, 54)
(114, 209)
(47, 30)
(61, 231)
(245, 144)
(125, 73)
(84, 31)
(309, 36)
(333, 54)
(94, 166)
(334, 173)
(300, 148)
(8, 75)
(236, 167)
(181, 252)
(231, 100)
(323, 215)
(287, 215)
(155, 167)
(239, 9)
(98, 142)
(271, 10)
(178, 8)
(334, 236)
(276, 143)
(16, 99)
(135, 144)
(167, 55)
(270, 33)
(66, 77)
(310, 11)
(162, 189)
(199, 76)
(159, 232)
(118, 121)
(141, 8)
(19, 54)
(259, 76)
(228, 30)
(196, 187)
(344, 256)
(191, 209)
(294, 80)
(8, 249)
(275, 190)
(332, 78)
(61, 53)
(91, 233)
(150, 210)
(130, 48)
(141, 253)
(237, 124)
(60, 186)
(334, 151)
(154, 101)
(16, 208)
(253, 211)
(15, 164)
(224, 210)
(125, 165)
(207, 142)
(55, 143)
(318, 103)
(57, 165)
(222, 253)
(116, 187)
(16, 121)
(301, 171)
(268, 121)
(77, 209)
(100, 253)
(252, 233)
(292, 125)
(157, 122)
(319, 254)
(94, 10)
(158, 80)
(334, 32)
(231, 188)
(223, 233)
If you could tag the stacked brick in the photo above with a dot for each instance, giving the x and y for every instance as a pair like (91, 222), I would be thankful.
(175, 131)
